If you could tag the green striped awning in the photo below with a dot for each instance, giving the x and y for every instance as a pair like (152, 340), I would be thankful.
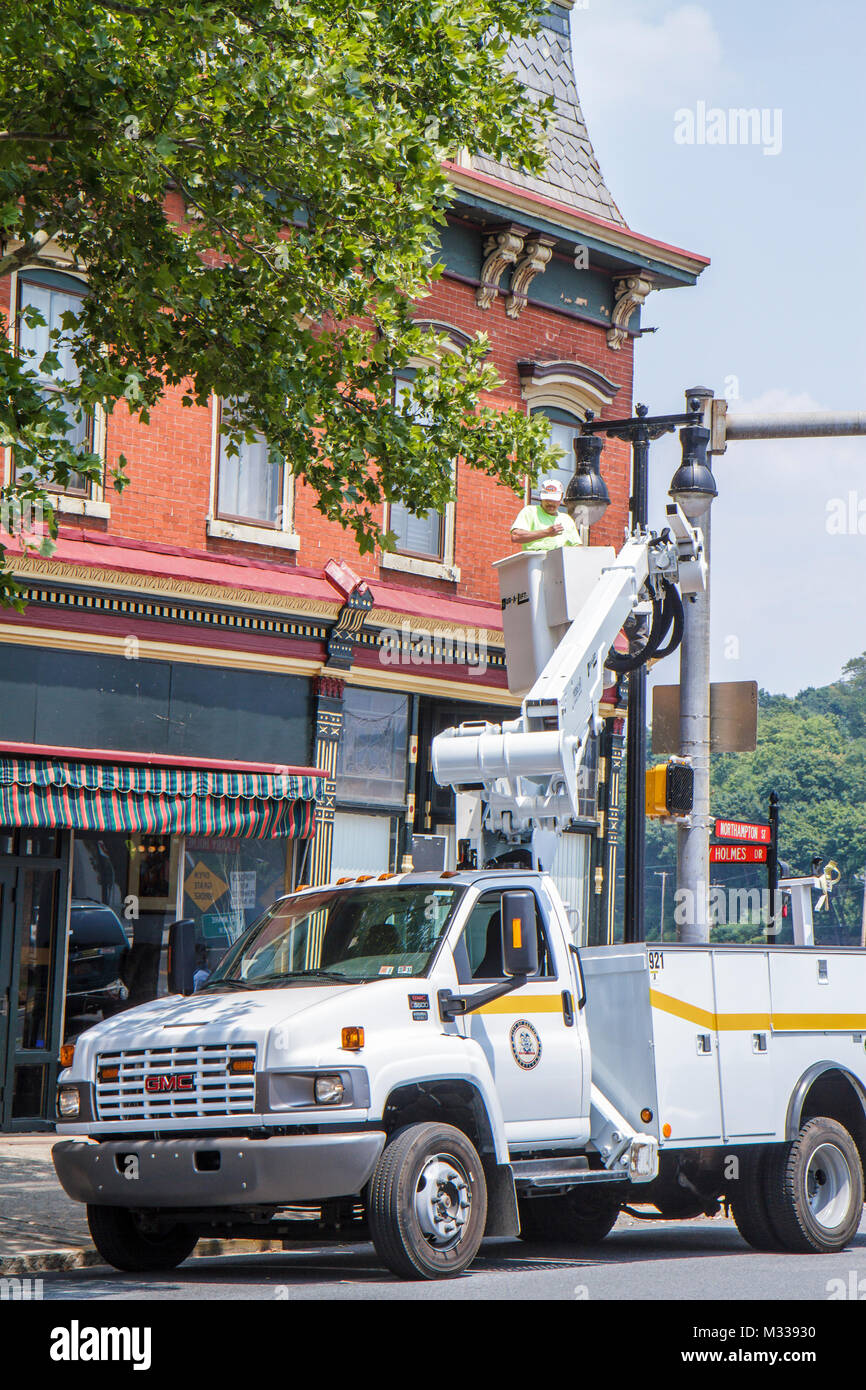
(50, 793)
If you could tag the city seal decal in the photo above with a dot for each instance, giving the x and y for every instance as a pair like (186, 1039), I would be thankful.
(525, 1044)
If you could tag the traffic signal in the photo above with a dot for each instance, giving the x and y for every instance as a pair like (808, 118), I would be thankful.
(670, 789)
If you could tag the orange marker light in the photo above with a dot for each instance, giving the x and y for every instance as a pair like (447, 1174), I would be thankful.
(666, 1131)
(353, 1039)
(67, 1052)
(646, 1115)
(242, 1066)
(516, 934)
(109, 1073)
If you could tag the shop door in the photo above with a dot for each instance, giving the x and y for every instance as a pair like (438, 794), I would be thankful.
(7, 931)
(32, 958)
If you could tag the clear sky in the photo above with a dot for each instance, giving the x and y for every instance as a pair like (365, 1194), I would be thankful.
(777, 320)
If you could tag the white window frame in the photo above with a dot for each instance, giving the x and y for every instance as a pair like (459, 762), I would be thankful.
(92, 503)
(282, 537)
(444, 567)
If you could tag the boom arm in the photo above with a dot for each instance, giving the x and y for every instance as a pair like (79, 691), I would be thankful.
(528, 768)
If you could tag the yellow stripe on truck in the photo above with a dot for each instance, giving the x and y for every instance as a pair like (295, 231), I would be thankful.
(526, 1004)
(777, 1023)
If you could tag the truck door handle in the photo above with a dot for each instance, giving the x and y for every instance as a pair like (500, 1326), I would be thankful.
(567, 1008)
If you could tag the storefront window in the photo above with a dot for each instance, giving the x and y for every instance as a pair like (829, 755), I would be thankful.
(36, 906)
(227, 885)
(371, 762)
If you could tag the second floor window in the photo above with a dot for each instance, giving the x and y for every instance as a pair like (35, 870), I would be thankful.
(53, 295)
(250, 481)
(564, 429)
(420, 535)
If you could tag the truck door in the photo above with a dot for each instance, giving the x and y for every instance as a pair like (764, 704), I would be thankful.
(534, 1038)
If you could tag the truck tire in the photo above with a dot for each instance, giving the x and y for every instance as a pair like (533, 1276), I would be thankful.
(576, 1218)
(427, 1202)
(748, 1202)
(815, 1189)
(120, 1240)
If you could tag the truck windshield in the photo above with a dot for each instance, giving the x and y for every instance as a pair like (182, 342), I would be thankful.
(343, 934)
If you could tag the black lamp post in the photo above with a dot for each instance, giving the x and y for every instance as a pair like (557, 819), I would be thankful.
(586, 497)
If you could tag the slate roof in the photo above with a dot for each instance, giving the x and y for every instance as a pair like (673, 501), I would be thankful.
(544, 65)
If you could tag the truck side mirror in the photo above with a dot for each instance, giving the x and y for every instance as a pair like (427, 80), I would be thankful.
(519, 933)
(181, 956)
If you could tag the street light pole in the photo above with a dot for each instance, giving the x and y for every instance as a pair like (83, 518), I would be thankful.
(694, 488)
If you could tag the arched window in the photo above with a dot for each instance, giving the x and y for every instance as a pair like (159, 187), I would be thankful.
(52, 294)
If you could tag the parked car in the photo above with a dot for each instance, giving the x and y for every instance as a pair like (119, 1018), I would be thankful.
(98, 951)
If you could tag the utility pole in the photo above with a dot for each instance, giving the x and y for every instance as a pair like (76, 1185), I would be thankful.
(694, 488)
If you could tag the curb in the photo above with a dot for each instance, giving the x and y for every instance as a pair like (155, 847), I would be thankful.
(49, 1261)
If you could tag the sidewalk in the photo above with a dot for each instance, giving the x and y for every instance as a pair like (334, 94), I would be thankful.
(43, 1229)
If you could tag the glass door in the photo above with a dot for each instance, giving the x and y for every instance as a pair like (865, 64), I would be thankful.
(7, 931)
(32, 963)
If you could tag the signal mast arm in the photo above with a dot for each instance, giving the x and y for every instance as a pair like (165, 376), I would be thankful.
(527, 769)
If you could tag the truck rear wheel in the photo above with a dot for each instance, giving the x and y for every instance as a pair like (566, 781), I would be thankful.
(427, 1203)
(748, 1202)
(815, 1189)
(576, 1218)
(120, 1239)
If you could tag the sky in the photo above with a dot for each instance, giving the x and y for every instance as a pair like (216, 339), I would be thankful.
(776, 321)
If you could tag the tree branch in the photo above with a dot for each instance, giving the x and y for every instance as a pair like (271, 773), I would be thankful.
(27, 252)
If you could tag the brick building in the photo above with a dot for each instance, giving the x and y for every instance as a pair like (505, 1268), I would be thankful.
(206, 671)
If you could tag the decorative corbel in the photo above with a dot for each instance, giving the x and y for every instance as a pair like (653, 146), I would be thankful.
(500, 250)
(536, 255)
(629, 294)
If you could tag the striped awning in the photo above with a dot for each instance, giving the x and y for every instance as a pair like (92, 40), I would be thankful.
(64, 794)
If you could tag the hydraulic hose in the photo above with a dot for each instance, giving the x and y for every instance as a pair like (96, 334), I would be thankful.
(665, 613)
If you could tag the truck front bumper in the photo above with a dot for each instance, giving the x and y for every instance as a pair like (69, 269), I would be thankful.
(220, 1172)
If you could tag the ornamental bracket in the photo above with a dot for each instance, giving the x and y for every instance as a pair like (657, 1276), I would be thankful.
(500, 251)
(629, 294)
(536, 255)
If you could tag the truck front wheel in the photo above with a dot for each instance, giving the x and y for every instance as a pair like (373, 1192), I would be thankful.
(427, 1202)
(576, 1218)
(121, 1240)
(814, 1189)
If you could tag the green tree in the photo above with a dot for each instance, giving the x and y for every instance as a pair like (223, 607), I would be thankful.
(253, 188)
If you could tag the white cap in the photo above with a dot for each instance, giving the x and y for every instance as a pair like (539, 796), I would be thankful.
(551, 490)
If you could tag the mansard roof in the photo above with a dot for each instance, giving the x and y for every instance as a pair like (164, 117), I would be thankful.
(544, 65)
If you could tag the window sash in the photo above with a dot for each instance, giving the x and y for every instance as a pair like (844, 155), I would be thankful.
(33, 344)
(419, 535)
(250, 483)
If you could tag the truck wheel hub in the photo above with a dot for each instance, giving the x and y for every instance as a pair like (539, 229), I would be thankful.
(442, 1201)
(828, 1186)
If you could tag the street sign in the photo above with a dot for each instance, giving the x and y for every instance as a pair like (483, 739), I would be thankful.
(738, 854)
(743, 830)
(733, 717)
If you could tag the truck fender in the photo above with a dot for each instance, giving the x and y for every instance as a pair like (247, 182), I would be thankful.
(392, 1078)
(793, 1119)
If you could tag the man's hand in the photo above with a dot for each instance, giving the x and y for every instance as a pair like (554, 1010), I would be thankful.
(556, 529)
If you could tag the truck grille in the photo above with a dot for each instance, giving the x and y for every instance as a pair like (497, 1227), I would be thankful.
(164, 1083)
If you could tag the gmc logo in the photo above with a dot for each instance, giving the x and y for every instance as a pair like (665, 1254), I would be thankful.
(179, 1081)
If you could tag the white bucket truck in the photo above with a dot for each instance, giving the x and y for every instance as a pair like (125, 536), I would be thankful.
(423, 1059)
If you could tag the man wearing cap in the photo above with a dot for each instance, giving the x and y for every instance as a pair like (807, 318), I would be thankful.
(539, 527)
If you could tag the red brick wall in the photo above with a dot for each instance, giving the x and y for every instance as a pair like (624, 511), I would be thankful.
(168, 496)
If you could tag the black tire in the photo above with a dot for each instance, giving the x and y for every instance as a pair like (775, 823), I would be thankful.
(747, 1199)
(118, 1237)
(815, 1189)
(420, 1236)
(576, 1218)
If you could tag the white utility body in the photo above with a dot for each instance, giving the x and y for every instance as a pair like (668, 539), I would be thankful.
(428, 1058)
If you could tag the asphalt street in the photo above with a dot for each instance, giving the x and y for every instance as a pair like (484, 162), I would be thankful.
(663, 1261)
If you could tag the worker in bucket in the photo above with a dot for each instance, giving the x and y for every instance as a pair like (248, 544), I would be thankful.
(543, 526)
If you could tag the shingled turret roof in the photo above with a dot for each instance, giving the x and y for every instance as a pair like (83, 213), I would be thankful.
(572, 176)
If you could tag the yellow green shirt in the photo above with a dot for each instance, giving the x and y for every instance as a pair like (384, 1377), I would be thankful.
(535, 518)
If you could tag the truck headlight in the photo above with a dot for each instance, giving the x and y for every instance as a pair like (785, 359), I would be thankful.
(68, 1102)
(329, 1090)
